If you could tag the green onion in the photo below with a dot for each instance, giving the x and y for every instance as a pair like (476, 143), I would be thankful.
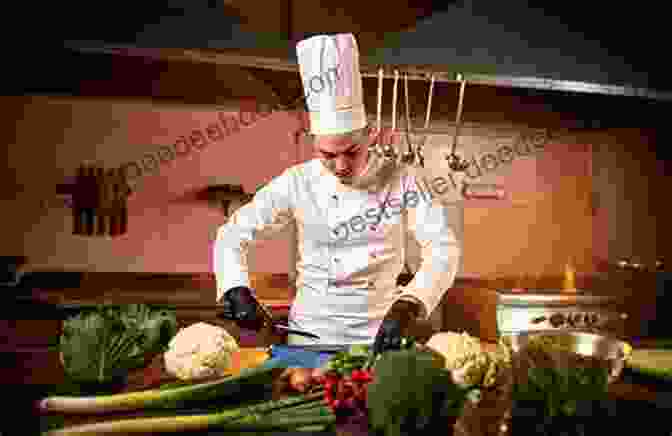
(162, 398)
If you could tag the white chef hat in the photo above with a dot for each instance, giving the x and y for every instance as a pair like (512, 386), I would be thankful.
(332, 84)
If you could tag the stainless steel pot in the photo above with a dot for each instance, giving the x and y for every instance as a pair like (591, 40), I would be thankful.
(555, 309)
(603, 347)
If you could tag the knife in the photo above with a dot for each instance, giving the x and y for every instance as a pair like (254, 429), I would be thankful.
(292, 331)
(316, 348)
(274, 324)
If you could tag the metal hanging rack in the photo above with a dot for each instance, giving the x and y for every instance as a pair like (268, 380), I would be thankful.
(233, 57)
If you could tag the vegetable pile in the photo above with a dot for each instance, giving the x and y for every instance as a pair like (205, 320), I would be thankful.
(417, 389)
(102, 344)
(233, 404)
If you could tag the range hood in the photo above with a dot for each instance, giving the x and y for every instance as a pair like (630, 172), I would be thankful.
(496, 44)
(501, 44)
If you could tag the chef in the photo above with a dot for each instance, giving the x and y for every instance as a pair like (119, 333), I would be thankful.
(353, 214)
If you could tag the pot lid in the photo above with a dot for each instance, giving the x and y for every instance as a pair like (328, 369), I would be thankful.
(554, 297)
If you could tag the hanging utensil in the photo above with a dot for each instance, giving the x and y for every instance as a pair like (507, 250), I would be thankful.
(394, 100)
(455, 162)
(375, 147)
(409, 155)
(388, 150)
(399, 155)
(419, 154)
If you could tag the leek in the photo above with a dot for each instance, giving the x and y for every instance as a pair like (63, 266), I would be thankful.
(162, 398)
(192, 423)
(258, 417)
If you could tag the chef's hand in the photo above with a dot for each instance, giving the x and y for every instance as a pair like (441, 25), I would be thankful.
(395, 326)
(240, 305)
(402, 320)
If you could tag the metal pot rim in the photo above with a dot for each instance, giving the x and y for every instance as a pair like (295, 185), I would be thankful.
(604, 344)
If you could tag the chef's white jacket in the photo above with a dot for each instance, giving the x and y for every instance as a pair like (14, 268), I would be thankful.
(351, 247)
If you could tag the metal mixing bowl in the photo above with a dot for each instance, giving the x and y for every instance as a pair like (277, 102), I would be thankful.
(587, 344)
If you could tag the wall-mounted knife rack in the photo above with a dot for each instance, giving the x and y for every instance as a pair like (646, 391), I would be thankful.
(99, 202)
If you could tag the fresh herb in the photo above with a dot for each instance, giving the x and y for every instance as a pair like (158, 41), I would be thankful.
(559, 395)
(103, 344)
(560, 389)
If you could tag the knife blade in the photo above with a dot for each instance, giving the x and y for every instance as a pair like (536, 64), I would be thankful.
(292, 331)
(316, 348)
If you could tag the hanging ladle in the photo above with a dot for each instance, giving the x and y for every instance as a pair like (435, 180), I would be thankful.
(420, 157)
(388, 150)
(408, 156)
(455, 162)
(375, 147)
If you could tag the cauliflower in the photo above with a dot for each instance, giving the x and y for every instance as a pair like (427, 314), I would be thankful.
(471, 372)
(469, 363)
(456, 348)
(200, 351)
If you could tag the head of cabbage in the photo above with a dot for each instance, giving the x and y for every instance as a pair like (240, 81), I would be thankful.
(103, 343)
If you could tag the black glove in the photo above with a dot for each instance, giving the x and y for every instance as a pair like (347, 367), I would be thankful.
(388, 337)
(395, 326)
(401, 322)
(241, 306)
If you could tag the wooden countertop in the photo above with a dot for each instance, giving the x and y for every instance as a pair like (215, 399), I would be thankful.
(157, 288)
